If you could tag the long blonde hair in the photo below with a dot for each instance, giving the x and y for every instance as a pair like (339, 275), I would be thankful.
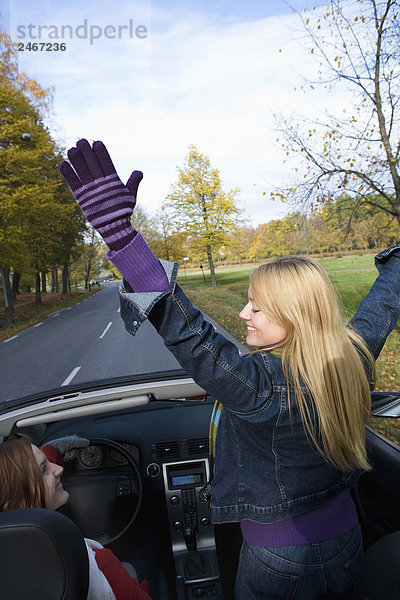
(321, 354)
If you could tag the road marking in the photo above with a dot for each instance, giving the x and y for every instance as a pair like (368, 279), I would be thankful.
(69, 307)
(38, 324)
(11, 338)
(106, 329)
(71, 376)
(119, 309)
(56, 315)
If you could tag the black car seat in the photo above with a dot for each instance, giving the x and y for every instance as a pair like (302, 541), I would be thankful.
(42, 556)
(379, 575)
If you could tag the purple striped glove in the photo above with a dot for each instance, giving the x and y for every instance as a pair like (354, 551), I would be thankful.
(105, 201)
(108, 205)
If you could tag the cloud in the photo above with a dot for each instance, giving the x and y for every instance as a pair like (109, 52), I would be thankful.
(194, 80)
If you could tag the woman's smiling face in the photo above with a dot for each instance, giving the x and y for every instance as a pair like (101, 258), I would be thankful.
(261, 331)
(55, 495)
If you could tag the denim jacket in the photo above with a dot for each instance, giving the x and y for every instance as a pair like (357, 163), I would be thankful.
(266, 469)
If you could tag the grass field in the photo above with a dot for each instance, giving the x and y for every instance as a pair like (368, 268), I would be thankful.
(352, 276)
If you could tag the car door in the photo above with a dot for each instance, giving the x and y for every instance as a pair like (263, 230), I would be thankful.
(378, 491)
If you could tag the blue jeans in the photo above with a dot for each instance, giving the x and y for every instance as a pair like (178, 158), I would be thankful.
(306, 572)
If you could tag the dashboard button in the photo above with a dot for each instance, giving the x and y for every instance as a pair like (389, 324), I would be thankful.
(153, 470)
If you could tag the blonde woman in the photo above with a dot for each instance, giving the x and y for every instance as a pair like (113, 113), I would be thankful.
(290, 440)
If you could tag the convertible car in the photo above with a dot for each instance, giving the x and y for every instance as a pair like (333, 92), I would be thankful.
(140, 489)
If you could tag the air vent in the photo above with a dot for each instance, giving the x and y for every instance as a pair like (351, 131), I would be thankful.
(167, 449)
(198, 446)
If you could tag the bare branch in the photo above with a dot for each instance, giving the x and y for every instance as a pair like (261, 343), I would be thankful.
(357, 153)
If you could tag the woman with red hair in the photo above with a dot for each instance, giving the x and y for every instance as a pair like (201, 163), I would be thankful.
(30, 480)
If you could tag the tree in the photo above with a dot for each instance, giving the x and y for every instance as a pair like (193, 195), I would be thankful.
(20, 100)
(34, 211)
(289, 235)
(24, 144)
(201, 208)
(357, 46)
(39, 221)
(239, 243)
(91, 252)
(164, 239)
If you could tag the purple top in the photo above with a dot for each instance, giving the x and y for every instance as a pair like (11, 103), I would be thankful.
(139, 267)
(334, 518)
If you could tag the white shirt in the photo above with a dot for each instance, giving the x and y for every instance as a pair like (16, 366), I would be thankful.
(99, 588)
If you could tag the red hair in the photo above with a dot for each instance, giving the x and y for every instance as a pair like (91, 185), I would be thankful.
(21, 480)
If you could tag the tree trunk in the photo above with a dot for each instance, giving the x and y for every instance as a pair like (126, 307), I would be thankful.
(87, 276)
(211, 265)
(38, 297)
(15, 284)
(8, 300)
(44, 286)
(87, 270)
(54, 280)
(65, 279)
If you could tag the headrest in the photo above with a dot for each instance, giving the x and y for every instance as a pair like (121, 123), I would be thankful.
(42, 555)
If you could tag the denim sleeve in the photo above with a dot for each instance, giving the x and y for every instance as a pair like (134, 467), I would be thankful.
(135, 307)
(377, 314)
(241, 383)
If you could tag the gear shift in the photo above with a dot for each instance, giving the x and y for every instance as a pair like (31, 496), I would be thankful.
(189, 535)
(196, 566)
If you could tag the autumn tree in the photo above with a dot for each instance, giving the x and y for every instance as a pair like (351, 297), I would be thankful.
(357, 50)
(20, 99)
(62, 229)
(201, 209)
(164, 239)
(23, 145)
(289, 235)
(33, 210)
(239, 244)
(39, 222)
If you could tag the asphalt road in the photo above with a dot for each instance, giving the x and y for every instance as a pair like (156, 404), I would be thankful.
(85, 342)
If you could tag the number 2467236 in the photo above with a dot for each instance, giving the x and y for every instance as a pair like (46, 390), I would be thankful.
(42, 47)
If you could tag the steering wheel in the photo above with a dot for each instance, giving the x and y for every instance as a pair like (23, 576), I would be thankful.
(104, 505)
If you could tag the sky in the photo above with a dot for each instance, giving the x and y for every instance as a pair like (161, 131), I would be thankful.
(150, 78)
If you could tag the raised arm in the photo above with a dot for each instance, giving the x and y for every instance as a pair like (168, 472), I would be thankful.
(377, 314)
(149, 286)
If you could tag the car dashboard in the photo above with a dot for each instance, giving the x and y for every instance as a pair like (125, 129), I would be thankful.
(157, 515)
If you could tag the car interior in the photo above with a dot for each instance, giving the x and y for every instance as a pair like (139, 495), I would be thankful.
(140, 488)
